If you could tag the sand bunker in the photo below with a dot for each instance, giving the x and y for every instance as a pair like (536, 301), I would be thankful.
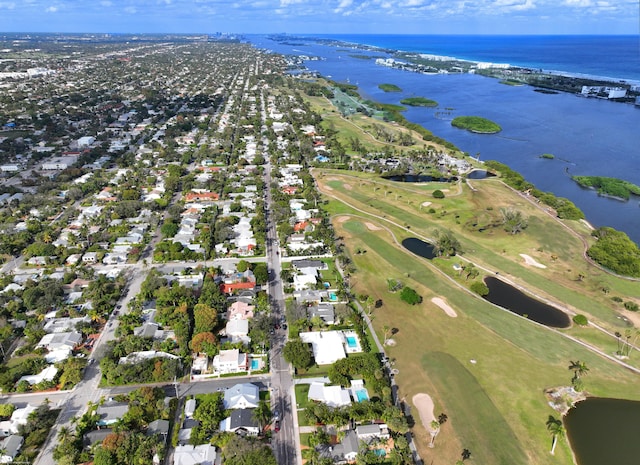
(531, 261)
(444, 306)
(347, 186)
(426, 204)
(341, 219)
(329, 188)
(372, 227)
(424, 404)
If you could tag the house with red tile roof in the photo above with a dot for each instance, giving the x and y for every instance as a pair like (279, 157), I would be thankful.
(201, 196)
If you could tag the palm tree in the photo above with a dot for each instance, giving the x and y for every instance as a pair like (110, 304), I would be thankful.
(466, 454)
(435, 429)
(442, 418)
(618, 336)
(263, 413)
(556, 428)
(579, 368)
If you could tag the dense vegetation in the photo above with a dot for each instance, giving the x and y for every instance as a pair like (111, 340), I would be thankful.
(608, 186)
(565, 208)
(419, 102)
(389, 88)
(476, 124)
(615, 251)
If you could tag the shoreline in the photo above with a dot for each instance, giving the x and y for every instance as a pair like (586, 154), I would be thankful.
(484, 64)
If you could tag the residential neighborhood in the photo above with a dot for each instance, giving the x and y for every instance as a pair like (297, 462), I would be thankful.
(170, 279)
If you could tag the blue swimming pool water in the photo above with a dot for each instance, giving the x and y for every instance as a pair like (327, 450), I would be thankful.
(255, 364)
(333, 296)
(362, 395)
(352, 342)
(380, 452)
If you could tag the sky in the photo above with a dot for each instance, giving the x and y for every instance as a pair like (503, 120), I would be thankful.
(323, 16)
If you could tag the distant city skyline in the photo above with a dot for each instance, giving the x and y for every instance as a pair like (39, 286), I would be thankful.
(323, 16)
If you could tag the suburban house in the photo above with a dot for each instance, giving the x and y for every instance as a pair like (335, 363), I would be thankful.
(204, 454)
(238, 281)
(324, 311)
(230, 361)
(111, 412)
(327, 346)
(47, 374)
(198, 195)
(343, 452)
(9, 448)
(241, 421)
(241, 396)
(240, 310)
(19, 417)
(333, 396)
(238, 331)
(55, 341)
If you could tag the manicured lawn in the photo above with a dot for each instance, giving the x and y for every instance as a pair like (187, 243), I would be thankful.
(496, 405)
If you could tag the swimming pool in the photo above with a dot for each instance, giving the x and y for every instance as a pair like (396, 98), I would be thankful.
(380, 452)
(352, 342)
(332, 296)
(362, 395)
(255, 364)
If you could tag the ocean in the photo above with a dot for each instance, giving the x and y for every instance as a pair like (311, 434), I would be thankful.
(614, 57)
(587, 136)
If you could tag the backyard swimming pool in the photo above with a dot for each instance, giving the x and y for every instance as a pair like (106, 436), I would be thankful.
(333, 297)
(255, 364)
(352, 342)
(362, 395)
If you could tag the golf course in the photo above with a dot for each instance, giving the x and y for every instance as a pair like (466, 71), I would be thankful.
(484, 366)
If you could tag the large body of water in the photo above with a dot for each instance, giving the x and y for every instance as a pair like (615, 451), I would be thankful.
(587, 136)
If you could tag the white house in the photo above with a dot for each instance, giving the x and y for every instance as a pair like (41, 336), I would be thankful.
(55, 341)
(238, 331)
(244, 395)
(230, 361)
(328, 346)
(204, 454)
(19, 417)
(333, 396)
(48, 374)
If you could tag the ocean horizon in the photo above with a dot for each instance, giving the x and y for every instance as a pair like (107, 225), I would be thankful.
(608, 57)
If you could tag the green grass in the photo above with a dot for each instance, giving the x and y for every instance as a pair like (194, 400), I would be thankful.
(484, 430)
(517, 359)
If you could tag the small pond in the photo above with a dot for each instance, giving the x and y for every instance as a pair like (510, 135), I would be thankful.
(419, 247)
(417, 178)
(480, 174)
(507, 296)
(604, 431)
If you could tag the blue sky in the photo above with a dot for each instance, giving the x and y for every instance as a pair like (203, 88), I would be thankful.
(324, 16)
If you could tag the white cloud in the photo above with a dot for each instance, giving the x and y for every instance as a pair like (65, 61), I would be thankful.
(51, 9)
(131, 10)
(106, 3)
(578, 3)
(7, 5)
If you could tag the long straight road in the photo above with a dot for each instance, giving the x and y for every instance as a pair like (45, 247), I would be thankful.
(285, 441)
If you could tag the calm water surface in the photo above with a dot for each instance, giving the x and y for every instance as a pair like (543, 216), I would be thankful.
(587, 136)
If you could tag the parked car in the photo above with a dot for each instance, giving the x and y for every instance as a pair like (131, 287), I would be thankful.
(276, 426)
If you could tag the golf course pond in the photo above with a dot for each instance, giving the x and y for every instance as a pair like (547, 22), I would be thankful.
(603, 431)
(506, 296)
(418, 178)
(419, 247)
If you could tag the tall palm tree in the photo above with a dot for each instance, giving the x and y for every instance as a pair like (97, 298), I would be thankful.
(579, 368)
(263, 413)
(556, 428)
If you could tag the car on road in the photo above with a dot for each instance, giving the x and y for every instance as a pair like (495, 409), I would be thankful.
(276, 415)
(276, 426)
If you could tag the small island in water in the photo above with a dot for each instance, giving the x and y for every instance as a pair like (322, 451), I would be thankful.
(389, 88)
(419, 102)
(612, 187)
(476, 124)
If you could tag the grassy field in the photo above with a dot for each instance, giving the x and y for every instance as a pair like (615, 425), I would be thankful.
(487, 369)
